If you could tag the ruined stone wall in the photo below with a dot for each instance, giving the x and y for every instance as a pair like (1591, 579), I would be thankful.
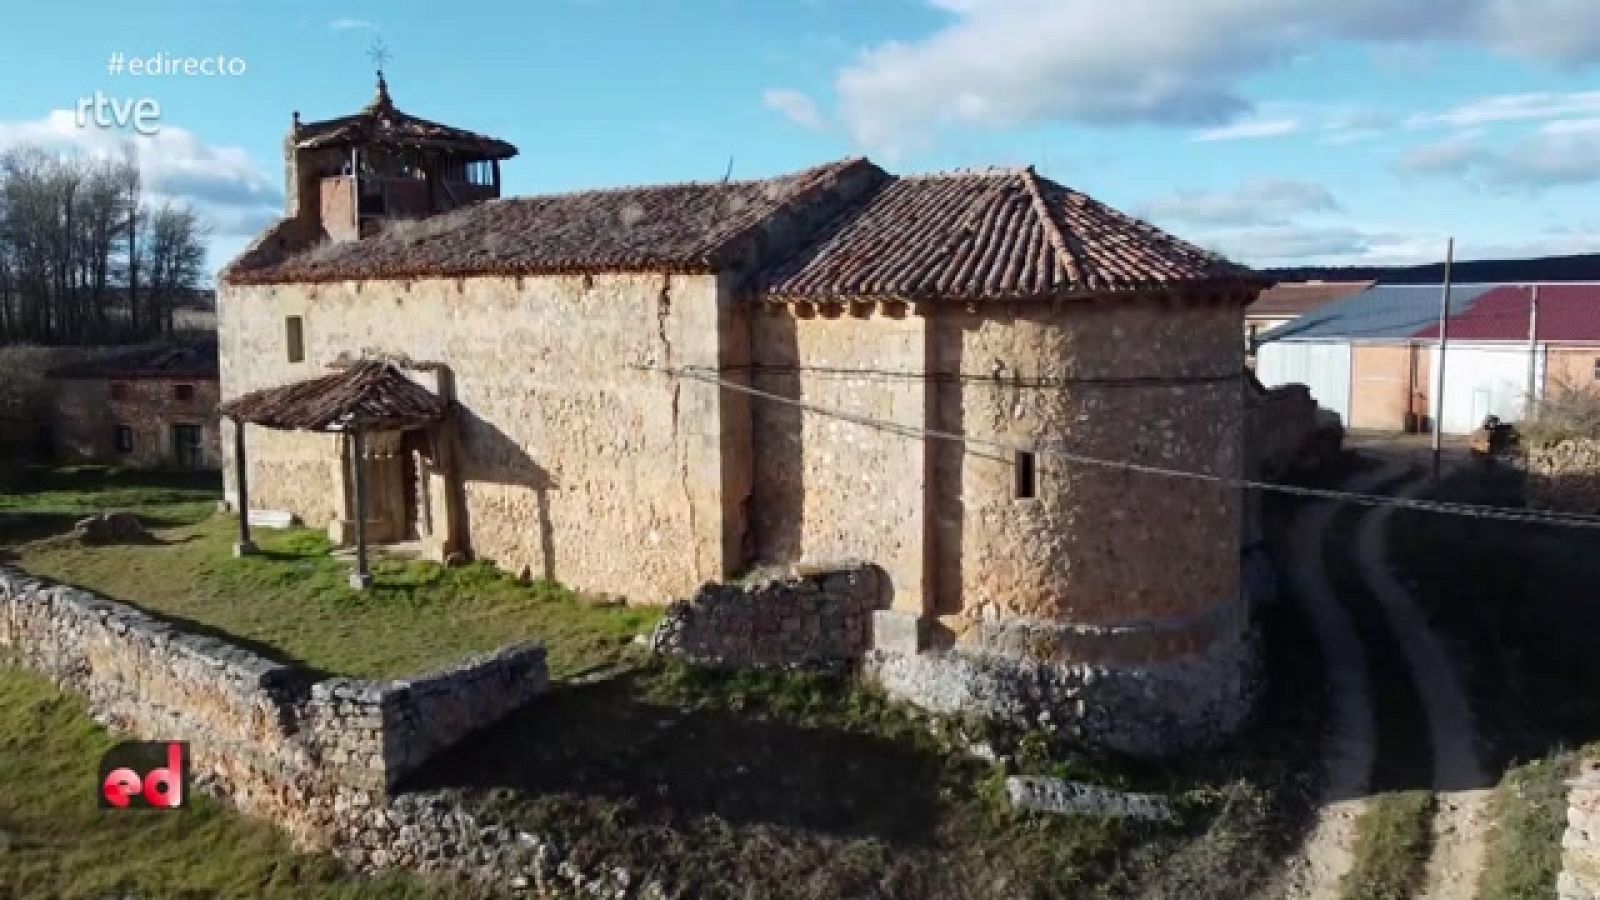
(815, 618)
(88, 410)
(568, 451)
(1564, 475)
(309, 754)
(1580, 845)
(825, 489)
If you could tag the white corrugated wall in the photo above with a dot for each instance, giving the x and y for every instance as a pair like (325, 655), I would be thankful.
(1483, 380)
(1322, 366)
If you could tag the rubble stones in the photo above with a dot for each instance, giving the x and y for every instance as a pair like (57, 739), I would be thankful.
(109, 528)
(1580, 845)
(1075, 798)
(1143, 710)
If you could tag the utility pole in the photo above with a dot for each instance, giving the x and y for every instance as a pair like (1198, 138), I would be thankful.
(1444, 339)
(1533, 356)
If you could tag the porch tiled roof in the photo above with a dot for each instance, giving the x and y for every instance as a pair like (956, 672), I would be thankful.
(367, 394)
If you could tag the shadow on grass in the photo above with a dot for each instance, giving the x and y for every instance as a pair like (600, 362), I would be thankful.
(672, 765)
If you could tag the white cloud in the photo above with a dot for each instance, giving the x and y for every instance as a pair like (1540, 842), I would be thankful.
(1250, 128)
(349, 24)
(228, 189)
(1261, 201)
(1301, 245)
(1348, 126)
(1005, 63)
(1513, 108)
(1557, 153)
(795, 106)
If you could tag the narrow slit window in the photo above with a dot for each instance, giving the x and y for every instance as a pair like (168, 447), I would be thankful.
(294, 334)
(1027, 475)
(124, 439)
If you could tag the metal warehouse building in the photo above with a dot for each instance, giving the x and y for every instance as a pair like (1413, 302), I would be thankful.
(1371, 356)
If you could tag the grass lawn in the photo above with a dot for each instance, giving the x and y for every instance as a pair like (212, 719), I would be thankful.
(718, 784)
(292, 602)
(1518, 601)
(55, 842)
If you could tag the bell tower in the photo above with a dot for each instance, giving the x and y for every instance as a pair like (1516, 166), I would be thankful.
(349, 177)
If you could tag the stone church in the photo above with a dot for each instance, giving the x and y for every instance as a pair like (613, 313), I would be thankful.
(641, 389)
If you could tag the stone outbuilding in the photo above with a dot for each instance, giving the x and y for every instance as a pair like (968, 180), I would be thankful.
(656, 387)
(145, 407)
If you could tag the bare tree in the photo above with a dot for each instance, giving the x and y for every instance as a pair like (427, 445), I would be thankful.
(83, 257)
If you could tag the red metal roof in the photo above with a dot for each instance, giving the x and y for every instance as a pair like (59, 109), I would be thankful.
(1568, 313)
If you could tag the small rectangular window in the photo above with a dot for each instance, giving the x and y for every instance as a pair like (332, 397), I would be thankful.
(183, 393)
(119, 390)
(1027, 476)
(124, 439)
(294, 330)
(1597, 370)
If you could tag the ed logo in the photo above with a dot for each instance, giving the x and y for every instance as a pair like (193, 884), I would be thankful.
(144, 775)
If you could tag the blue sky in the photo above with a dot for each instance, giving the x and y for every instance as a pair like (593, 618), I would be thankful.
(1279, 132)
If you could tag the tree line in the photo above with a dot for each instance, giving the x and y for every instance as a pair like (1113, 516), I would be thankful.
(85, 257)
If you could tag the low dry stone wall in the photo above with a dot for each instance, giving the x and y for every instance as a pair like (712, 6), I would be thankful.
(1564, 475)
(1580, 846)
(271, 738)
(817, 618)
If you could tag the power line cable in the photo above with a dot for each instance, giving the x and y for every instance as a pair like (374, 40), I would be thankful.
(1501, 513)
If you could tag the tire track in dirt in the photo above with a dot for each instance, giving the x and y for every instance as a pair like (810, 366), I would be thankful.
(1350, 744)
(1458, 777)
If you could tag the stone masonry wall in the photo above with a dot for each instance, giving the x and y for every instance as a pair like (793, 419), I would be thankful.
(310, 755)
(817, 618)
(568, 449)
(28, 402)
(88, 410)
(1564, 475)
(1580, 845)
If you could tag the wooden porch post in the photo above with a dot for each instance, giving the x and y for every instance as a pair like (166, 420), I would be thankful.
(361, 578)
(245, 546)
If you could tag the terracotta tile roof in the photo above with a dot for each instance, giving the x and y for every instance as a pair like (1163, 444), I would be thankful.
(379, 122)
(367, 394)
(993, 233)
(179, 362)
(1296, 298)
(679, 226)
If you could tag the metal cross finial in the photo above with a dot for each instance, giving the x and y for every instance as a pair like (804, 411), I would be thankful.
(378, 53)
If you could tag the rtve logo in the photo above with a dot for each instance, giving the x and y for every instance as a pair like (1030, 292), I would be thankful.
(144, 775)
